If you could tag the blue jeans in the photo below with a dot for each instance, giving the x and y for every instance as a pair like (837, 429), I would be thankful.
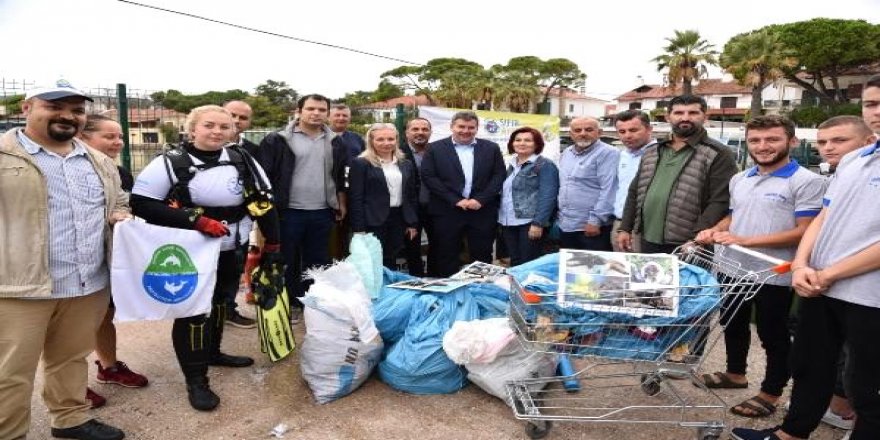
(305, 243)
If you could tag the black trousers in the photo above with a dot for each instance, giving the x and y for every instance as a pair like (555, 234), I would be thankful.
(451, 228)
(519, 246)
(390, 235)
(412, 248)
(771, 305)
(577, 240)
(197, 338)
(826, 324)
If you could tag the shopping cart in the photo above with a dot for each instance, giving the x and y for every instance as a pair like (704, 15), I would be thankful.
(638, 376)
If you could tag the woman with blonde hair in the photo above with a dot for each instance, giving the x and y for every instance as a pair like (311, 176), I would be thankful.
(383, 192)
(208, 184)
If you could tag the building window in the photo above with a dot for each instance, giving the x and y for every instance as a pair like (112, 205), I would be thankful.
(635, 106)
(662, 104)
(150, 138)
(728, 102)
(571, 108)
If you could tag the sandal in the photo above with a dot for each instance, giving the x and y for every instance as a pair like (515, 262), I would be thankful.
(721, 380)
(754, 407)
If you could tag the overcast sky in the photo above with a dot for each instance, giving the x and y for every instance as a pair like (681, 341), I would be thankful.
(98, 43)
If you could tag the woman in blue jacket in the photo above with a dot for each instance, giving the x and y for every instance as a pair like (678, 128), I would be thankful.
(383, 192)
(528, 197)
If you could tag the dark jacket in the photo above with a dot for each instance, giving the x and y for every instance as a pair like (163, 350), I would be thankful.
(369, 201)
(441, 172)
(699, 197)
(535, 190)
(422, 191)
(249, 146)
(277, 159)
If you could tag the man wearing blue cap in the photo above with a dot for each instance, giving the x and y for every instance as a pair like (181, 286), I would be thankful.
(58, 198)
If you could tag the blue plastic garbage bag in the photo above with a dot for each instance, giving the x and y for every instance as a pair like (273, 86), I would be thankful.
(491, 299)
(417, 363)
(393, 308)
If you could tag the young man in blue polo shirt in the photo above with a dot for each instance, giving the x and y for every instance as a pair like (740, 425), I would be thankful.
(837, 274)
(771, 205)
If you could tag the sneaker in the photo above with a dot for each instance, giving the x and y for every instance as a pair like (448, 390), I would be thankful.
(838, 421)
(235, 319)
(91, 430)
(120, 375)
(754, 434)
(249, 298)
(95, 400)
(295, 315)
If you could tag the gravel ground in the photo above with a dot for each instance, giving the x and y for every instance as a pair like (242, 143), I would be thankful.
(256, 399)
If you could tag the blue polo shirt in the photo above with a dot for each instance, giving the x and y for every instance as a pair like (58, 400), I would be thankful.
(852, 223)
(770, 203)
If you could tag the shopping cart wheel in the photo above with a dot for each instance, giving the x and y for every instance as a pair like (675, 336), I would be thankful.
(709, 433)
(538, 429)
(650, 384)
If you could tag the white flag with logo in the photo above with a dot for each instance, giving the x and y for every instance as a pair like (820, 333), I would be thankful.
(161, 273)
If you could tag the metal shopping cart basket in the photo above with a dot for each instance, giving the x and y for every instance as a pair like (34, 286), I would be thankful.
(632, 360)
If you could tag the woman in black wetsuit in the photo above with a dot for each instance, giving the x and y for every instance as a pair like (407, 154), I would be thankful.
(208, 184)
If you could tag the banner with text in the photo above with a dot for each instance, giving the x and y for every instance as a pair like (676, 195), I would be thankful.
(497, 127)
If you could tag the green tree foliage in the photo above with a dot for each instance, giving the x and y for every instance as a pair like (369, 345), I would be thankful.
(443, 75)
(754, 59)
(177, 101)
(555, 73)
(824, 47)
(267, 114)
(387, 90)
(685, 58)
(12, 104)
(457, 82)
(279, 94)
(813, 115)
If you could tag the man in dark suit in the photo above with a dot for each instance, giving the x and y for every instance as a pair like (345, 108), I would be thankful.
(464, 176)
(418, 133)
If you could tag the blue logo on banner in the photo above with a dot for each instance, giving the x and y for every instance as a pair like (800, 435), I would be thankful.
(171, 276)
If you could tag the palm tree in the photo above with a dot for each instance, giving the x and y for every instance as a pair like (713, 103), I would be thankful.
(685, 59)
(755, 58)
(515, 91)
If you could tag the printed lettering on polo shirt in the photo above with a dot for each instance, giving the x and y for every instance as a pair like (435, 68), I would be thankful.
(775, 197)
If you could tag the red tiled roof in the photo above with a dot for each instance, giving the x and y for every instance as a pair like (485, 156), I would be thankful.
(407, 101)
(702, 88)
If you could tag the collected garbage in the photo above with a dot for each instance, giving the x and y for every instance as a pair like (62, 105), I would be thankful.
(342, 344)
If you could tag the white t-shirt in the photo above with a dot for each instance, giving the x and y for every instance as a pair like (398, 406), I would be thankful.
(214, 187)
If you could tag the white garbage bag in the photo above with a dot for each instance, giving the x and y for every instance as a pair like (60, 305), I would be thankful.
(477, 341)
(342, 344)
(512, 363)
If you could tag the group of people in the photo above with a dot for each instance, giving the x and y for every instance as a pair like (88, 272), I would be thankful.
(314, 178)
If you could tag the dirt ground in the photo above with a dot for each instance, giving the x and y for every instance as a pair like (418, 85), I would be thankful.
(256, 399)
